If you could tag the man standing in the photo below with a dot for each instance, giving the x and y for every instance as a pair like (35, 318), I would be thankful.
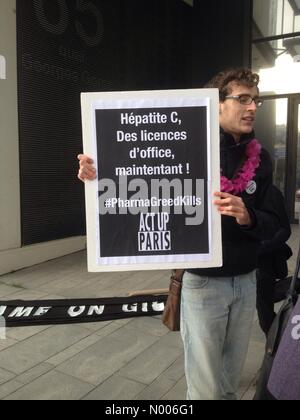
(218, 304)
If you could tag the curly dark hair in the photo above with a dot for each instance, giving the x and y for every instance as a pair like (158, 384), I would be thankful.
(242, 76)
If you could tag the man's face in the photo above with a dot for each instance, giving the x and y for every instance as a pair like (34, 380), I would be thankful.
(237, 119)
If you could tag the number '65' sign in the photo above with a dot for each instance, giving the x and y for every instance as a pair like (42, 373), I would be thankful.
(83, 6)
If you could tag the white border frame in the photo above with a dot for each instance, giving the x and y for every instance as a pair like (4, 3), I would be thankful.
(152, 99)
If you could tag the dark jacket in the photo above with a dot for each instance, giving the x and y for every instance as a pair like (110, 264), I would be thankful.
(274, 253)
(240, 244)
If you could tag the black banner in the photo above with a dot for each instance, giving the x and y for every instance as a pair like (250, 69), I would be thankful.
(19, 313)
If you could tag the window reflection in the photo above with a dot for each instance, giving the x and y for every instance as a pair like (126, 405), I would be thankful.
(271, 130)
(275, 17)
(277, 61)
(283, 78)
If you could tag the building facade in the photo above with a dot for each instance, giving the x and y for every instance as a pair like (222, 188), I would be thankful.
(52, 50)
(276, 56)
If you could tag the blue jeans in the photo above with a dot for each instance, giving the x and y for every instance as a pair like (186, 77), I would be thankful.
(216, 320)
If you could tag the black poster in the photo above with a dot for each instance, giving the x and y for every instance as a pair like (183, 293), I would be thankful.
(152, 151)
(154, 162)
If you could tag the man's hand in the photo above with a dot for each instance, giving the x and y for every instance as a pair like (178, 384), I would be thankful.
(86, 168)
(230, 205)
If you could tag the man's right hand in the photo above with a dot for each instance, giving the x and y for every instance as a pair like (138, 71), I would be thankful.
(86, 168)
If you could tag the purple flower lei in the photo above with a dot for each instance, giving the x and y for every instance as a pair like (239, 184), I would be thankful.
(246, 173)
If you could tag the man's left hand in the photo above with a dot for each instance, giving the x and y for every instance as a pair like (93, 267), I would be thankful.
(230, 205)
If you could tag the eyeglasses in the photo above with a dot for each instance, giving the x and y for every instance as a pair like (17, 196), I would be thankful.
(247, 100)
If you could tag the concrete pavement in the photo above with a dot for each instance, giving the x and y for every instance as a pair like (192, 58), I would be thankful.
(132, 359)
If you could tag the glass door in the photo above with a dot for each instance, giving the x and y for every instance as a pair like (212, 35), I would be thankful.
(278, 129)
(271, 129)
(293, 159)
(297, 181)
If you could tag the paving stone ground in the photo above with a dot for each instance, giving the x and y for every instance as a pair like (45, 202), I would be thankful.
(132, 359)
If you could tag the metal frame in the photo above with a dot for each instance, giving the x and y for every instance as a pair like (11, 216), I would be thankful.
(290, 45)
(276, 37)
(292, 149)
(292, 128)
(294, 7)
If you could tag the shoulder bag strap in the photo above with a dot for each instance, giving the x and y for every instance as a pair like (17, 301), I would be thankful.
(178, 275)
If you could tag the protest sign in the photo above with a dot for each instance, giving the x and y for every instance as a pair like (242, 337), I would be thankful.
(157, 159)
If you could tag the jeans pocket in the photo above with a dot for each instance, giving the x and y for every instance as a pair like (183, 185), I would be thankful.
(192, 281)
(253, 278)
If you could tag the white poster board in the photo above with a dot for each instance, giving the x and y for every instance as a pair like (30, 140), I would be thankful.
(157, 158)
